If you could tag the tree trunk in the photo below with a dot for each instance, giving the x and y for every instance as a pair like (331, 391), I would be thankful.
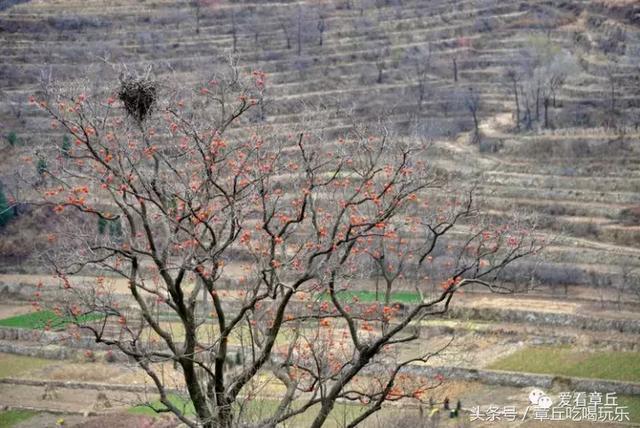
(613, 104)
(455, 70)
(234, 32)
(546, 112)
(387, 294)
(195, 393)
(299, 34)
(476, 126)
(515, 93)
(538, 104)
(286, 35)
(235, 41)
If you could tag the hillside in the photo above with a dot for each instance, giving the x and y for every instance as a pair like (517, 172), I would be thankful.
(413, 64)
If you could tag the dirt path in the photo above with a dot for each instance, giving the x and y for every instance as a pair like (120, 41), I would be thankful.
(7, 311)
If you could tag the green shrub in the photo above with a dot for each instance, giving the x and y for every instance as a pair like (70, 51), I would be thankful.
(66, 146)
(6, 213)
(12, 138)
(115, 229)
(102, 225)
(41, 166)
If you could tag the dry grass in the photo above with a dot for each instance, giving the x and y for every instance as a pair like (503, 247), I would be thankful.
(19, 366)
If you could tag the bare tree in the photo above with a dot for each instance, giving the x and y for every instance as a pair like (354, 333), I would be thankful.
(612, 74)
(513, 78)
(295, 27)
(423, 68)
(380, 57)
(542, 71)
(626, 285)
(472, 102)
(463, 45)
(299, 32)
(322, 26)
(285, 26)
(198, 7)
(255, 26)
(234, 31)
(199, 195)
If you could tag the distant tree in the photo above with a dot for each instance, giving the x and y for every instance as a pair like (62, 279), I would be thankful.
(513, 79)
(535, 79)
(198, 7)
(612, 71)
(555, 71)
(423, 68)
(299, 25)
(285, 26)
(626, 284)
(455, 69)
(380, 57)
(197, 10)
(255, 24)
(463, 45)
(322, 26)
(472, 102)
(234, 31)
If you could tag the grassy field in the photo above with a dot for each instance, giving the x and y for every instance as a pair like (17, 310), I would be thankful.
(9, 418)
(561, 361)
(370, 296)
(12, 365)
(184, 405)
(633, 404)
(39, 320)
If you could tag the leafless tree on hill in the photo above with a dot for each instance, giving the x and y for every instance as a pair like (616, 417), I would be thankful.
(513, 79)
(612, 74)
(379, 56)
(536, 79)
(473, 103)
(423, 68)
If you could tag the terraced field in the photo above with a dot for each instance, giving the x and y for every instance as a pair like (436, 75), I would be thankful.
(394, 59)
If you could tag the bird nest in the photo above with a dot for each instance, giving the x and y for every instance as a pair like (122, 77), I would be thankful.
(138, 96)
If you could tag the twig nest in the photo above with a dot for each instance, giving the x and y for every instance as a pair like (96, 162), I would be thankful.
(138, 96)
